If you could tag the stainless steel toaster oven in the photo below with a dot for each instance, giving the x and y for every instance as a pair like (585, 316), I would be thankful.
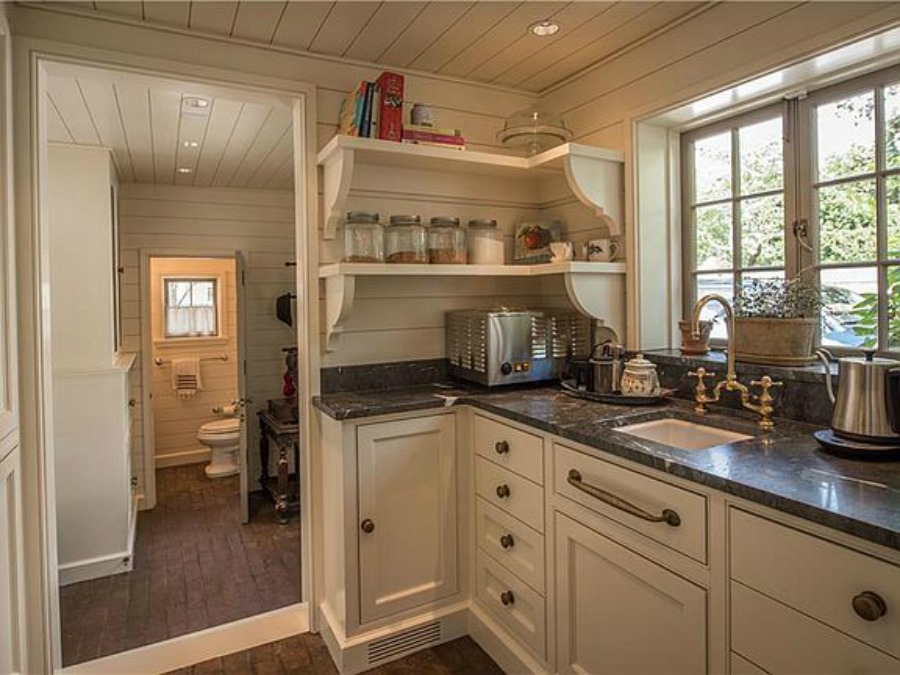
(494, 347)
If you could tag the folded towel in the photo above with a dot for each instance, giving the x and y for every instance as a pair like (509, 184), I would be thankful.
(186, 377)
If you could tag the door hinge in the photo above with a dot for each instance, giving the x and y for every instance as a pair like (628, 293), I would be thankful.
(243, 277)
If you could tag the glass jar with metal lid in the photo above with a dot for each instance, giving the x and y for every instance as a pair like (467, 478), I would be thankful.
(363, 238)
(486, 246)
(446, 241)
(405, 240)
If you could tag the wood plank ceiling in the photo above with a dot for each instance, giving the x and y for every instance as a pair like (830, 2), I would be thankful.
(486, 42)
(157, 137)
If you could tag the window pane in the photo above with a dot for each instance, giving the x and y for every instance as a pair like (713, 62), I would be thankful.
(721, 284)
(179, 293)
(712, 168)
(847, 222)
(714, 236)
(850, 317)
(892, 126)
(762, 165)
(204, 294)
(893, 309)
(846, 137)
(762, 231)
(892, 190)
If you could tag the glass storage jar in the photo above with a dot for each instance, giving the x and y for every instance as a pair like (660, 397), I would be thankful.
(405, 240)
(446, 241)
(486, 245)
(363, 238)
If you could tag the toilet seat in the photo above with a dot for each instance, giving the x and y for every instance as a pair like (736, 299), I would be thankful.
(228, 426)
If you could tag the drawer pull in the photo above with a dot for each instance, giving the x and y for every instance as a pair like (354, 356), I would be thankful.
(367, 526)
(507, 598)
(869, 606)
(507, 541)
(668, 516)
(502, 447)
(503, 491)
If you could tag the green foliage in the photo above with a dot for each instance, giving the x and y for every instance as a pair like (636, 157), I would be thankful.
(866, 312)
(778, 299)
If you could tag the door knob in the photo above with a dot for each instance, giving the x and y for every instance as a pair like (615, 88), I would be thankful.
(869, 606)
(502, 447)
(503, 491)
(507, 598)
(367, 526)
(507, 541)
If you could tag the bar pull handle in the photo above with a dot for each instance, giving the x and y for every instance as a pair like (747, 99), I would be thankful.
(668, 516)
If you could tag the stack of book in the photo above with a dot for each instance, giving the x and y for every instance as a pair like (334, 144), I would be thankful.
(446, 138)
(375, 109)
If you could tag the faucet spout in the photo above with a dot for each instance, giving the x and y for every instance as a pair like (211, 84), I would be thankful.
(729, 327)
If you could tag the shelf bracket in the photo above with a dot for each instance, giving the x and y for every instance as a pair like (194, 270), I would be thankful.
(337, 171)
(340, 292)
(601, 296)
(598, 185)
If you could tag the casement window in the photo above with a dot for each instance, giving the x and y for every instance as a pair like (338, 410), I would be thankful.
(807, 188)
(191, 307)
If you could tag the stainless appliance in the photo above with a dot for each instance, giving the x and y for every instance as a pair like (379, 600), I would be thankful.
(504, 346)
(867, 404)
(608, 361)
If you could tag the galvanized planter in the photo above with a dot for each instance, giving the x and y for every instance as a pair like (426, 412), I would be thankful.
(783, 342)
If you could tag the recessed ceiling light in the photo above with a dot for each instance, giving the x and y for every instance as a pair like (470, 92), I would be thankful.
(544, 28)
(185, 169)
(195, 105)
(190, 144)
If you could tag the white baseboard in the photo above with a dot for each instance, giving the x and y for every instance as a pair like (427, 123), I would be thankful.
(182, 457)
(500, 646)
(93, 568)
(211, 643)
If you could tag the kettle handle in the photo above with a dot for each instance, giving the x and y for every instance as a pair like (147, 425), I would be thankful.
(826, 358)
(892, 391)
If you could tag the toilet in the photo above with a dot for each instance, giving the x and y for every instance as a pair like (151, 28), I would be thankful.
(223, 438)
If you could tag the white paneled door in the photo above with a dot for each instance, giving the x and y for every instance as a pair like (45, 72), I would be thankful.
(618, 612)
(407, 514)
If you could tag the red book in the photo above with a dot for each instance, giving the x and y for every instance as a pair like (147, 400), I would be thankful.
(390, 118)
(430, 137)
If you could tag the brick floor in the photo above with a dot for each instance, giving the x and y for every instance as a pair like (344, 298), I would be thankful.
(195, 566)
(306, 654)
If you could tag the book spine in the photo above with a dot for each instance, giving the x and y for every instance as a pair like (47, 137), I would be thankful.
(434, 144)
(432, 137)
(360, 99)
(390, 125)
(366, 128)
(375, 126)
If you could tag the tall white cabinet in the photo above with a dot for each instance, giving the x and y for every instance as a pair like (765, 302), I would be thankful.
(91, 403)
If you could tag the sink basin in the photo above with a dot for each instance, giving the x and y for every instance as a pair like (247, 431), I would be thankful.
(682, 434)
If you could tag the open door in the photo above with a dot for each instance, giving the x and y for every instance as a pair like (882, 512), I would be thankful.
(242, 400)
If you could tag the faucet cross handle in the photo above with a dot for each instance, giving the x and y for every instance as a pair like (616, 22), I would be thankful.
(766, 383)
(700, 397)
(765, 408)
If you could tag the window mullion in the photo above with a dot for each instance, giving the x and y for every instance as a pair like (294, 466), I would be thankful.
(881, 217)
(737, 260)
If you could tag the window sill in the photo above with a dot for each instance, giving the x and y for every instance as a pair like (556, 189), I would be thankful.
(716, 361)
(176, 343)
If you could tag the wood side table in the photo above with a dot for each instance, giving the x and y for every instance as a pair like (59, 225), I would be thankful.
(284, 488)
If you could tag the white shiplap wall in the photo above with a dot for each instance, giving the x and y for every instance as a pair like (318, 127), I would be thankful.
(260, 224)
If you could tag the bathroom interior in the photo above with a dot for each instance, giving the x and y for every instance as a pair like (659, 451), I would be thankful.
(172, 237)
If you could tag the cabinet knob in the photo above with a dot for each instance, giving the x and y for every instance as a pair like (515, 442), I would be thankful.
(131, 403)
(502, 447)
(507, 598)
(507, 541)
(869, 606)
(367, 526)
(503, 491)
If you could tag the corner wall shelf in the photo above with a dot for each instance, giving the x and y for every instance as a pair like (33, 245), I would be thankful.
(593, 174)
(595, 289)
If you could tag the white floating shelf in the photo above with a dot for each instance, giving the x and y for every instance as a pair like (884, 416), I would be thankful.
(594, 174)
(595, 289)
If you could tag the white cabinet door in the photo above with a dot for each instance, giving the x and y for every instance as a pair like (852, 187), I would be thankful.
(11, 590)
(407, 514)
(617, 612)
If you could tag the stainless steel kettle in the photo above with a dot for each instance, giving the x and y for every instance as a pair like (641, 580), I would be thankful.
(867, 405)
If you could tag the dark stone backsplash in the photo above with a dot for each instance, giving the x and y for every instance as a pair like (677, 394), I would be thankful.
(379, 376)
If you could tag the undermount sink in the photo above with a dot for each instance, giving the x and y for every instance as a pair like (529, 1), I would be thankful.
(682, 434)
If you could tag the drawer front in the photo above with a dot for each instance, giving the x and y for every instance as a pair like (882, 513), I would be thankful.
(651, 496)
(510, 493)
(516, 450)
(817, 577)
(514, 604)
(512, 543)
(783, 641)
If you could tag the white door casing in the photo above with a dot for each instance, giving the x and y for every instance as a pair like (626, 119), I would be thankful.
(242, 400)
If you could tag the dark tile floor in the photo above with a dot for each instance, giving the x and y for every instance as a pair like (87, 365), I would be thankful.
(308, 655)
(195, 566)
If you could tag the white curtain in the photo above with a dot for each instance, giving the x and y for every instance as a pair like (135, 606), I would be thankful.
(190, 321)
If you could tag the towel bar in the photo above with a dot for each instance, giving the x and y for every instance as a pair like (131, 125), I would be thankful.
(221, 357)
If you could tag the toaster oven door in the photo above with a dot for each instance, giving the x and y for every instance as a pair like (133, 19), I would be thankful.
(510, 357)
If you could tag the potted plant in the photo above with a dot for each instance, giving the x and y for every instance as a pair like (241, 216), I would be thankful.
(775, 321)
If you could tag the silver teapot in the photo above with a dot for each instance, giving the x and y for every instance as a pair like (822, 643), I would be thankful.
(867, 404)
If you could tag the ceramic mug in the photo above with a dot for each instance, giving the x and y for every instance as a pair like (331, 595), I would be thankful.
(601, 250)
(561, 251)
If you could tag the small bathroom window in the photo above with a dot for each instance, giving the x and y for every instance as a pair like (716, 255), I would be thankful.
(191, 307)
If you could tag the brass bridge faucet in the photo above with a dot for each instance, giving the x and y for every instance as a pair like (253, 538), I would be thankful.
(763, 404)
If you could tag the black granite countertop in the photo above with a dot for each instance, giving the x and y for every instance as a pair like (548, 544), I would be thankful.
(784, 469)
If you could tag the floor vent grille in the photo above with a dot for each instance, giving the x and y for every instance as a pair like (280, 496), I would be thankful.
(395, 645)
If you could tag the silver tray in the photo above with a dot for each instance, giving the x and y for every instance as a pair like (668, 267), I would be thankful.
(617, 398)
